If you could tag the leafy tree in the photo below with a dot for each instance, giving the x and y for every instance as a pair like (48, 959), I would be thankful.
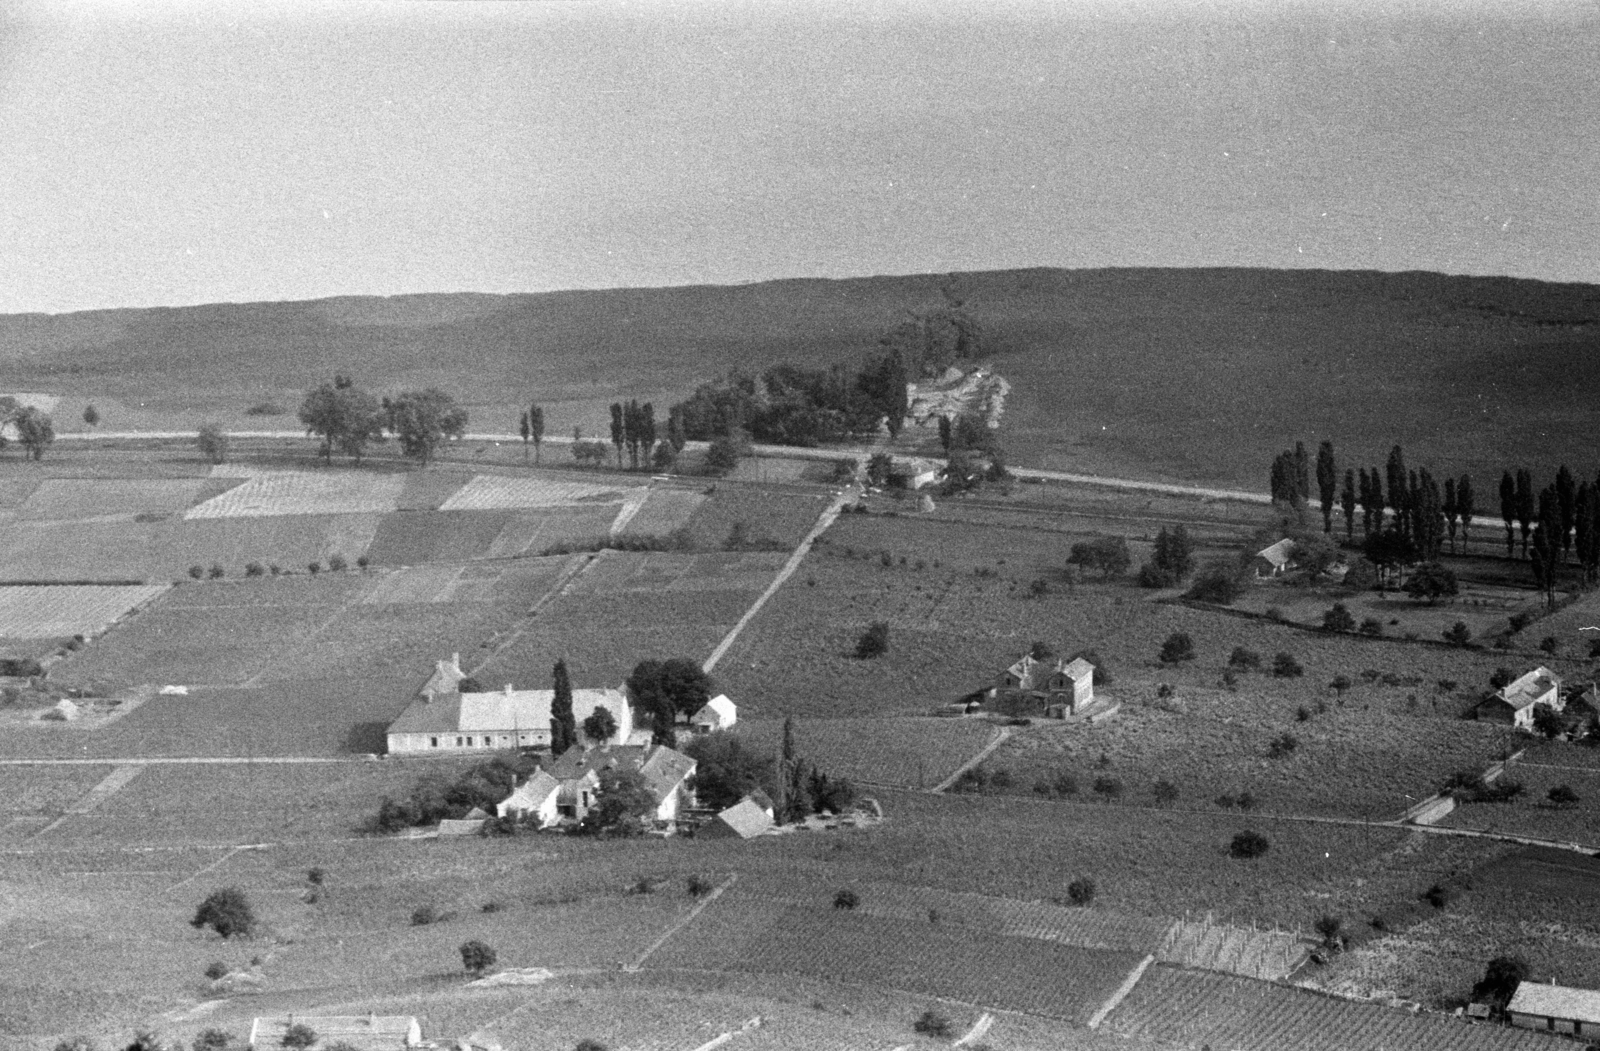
(536, 428)
(675, 436)
(1220, 582)
(1178, 647)
(623, 798)
(1500, 980)
(1431, 581)
(1172, 561)
(671, 688)
(1109, 787)
(213, 1040)
(1545, 556)
(1327, 483)
(726, 770)
(423, 419)
(1563, 796)
(589, 454)
(1081, 891)
(477, 957)
(1458, 634)
(212, 442)
(879, 467)
(1450, 510)
(91, 415)
(563, 723)
(600, 726)
(1164, 791)
(1248, 660)
(883, 382)
(1338, 618)
(226, 911)
(1548, 722)
(1340, 684)
(1284, 666)
(1248, 845)
(299, 1036)
(1398, 492)
(829, 795)
(1566, 506)
(1330, 929)
(725, 452)
(1108, 554)
(1501, 677)
(35, 431)
(346, 417)
(932, 1023)
(665, 458)
(874, 642)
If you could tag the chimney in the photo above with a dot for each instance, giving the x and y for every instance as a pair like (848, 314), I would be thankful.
(508, 689)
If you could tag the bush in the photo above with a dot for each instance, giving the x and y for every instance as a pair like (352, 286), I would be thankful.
(1178, 647)
(932, 1023)
(1338, 618)
(1219, 582)
(1437, 895)
(265, 408)
(1330, 929)
(874, 642)
(216, 969)
(254, 569)
(299, 1035)
(337, 563)
(590, 1045)
(1064, 785)
(226, 911)
(491, 907)
(1275, 614)
(1550, 644)
(1501, 677)
(1520, 621)
(197, 572)
(1081, 891)
(314, 568)
(362, 562)
(1458, 634)
(216, 572)
(476, 957)
(1283, 744)
(1246, 801)
(1108, 787)
(1165, 792)
(1248, 845)
(846, 899)
(1371, 626)
(699, 886)
(1284, 666)
(1563, 796)
(213, 1040)
(1243, 659)
(423, 915)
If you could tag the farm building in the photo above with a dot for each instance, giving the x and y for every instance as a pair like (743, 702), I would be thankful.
(913, 472)
(1065, 687)
(535, 798)
(746, 819)
(446, 675)
(1273, 560)
(719, 713)
(1514, 703)
(1555, 1008)
(667, 773)
(362, 1032)
(507, 718)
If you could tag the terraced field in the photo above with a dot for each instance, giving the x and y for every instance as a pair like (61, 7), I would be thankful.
(1195, 1007)
(270, 493)
(45, 612)
(487, 492)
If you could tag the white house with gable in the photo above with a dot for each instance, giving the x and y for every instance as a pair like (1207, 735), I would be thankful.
(719, 713)
(459, 722)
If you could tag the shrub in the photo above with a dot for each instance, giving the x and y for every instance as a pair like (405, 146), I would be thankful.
(1302, 714)
(1437, 895)
(1371, 626)
(1458, 634)
(197, 572)
(1275, 614)
(1501, 677)
(699, 886)
(1248, 845)
(1219, 582)
(492, 907)
(932, 1023)
(1284, 666)
(216, 572)
(1246, 801)
(1244, 659)
(1227, 801)
(1230, 680)
(1339, 684)
(76, 1043)
(216, 969)
(337, 563)
(590, 1045)
(476, 957)
(254, 569)
(423, 915)
(1330, 929)
(265, 408)
(1108, 787)
(1165, 792)
(213, 1040)
(1283, 744)
(1178, 647)
(314, 568)
(299, 1035)
(1081, 891)
(846, 899)
(362, 562)
(1338, 618)
(226, 911)
(874, 642)
(275, 569)
(1549, 644)
(1520, 621)
(1065, 785)
(1563, 796)
(315, 875)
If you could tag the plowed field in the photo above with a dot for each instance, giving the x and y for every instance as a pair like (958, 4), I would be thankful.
(302, 493)
(492, 491)
(43, 612)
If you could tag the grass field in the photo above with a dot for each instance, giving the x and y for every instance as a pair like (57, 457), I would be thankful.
(41, 612)
(909, 753)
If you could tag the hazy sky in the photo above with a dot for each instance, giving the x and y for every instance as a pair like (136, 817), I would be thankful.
(168, 154)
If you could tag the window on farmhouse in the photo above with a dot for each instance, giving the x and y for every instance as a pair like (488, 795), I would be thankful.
(433, 742)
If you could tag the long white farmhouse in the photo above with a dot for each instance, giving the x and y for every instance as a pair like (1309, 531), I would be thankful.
(446, 720)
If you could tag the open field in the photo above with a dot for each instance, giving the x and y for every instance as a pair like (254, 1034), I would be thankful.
(909, 753)
(1532, 813)
(42, 612)
(487, 492)
(272, 492)
(61, 499)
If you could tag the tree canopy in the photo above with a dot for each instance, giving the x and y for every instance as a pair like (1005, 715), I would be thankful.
(423, 419)
(1108, 554)
(226, 911)
(670, 688)
(346, 417)
(727, 769)
(622, 799)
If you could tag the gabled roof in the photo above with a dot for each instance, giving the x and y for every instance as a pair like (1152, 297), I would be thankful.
(744, 819)
(1278, 554)
(446, 674)
(503, 711)
(1528, 688)
(581, 761)
(1556, 1001)
(532, 793)
(373, 1032)
(665, 770)
(1078, 669)
(1025, 670)
(718, 709)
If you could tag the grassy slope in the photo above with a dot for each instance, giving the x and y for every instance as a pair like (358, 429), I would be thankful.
(1194, 374)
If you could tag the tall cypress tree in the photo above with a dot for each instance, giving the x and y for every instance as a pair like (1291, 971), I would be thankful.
(618, 434)
(536, 428)
(794, 776)
(563, 724)
(1465, 507)
(527, 432)
(1327, 483)
(1302, 471)
(1449, 508)
(1508, 510)
(1398, 493)
(1526, 508)
(1347, 503)
(1566, 505)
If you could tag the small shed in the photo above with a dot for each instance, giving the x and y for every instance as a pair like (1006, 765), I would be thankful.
(744, 820)
(64, 711)
(719, 713)
(535, 798)
(1555, 1009)
(469, 826)
(1272, 560)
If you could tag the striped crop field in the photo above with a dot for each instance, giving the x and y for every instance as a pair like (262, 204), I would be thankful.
(1271, 955)
(270, 493)
(47, 612)
(487, 492)
(665, 511)
(414, 584)
(86, 498)
(911, 752)
(616, 572)
(1196, 1007)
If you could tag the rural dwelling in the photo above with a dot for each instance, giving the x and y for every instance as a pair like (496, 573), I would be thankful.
(719, 713)
(1271, 561)
(746, 819)
(1065, 687)
(1555, 1009)
(362, 1032)
(1513, 704)
(913, 472)
(670, 775)
(64, 711)
(534, 800)
(460, 722)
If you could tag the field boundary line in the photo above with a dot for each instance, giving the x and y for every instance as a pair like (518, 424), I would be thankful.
(723, 1038)
(1000, 737)
(824, 520)
(979, 1028)
(626, 514)
(576, 566)
(681, 924)
(207, 868)
(1121, 992)
(107, 787)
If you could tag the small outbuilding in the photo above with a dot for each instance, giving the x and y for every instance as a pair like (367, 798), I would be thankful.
(362, 1032)
(1555, 1009)
(746, 819)
(1515, 702)
(719, 713)
(534, 800)
(1273, 560)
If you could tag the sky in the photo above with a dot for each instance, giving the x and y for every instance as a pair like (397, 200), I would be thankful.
(166, 154)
